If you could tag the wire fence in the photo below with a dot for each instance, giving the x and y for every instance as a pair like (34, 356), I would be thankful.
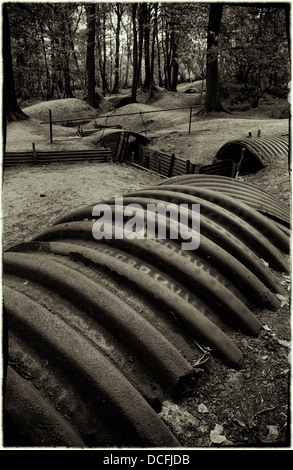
(84, 120)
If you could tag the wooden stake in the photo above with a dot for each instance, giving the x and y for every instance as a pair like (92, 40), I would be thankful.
(34, 154)
(51, 128)
(190, 117)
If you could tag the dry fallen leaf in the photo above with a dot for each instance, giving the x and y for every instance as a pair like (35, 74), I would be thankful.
(202, 408)
(215, 435)
(270, 435)
(283, 299)
(283, 342)
(264, 262)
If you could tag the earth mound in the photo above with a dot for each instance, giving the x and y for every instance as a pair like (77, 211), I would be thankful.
(68, 108)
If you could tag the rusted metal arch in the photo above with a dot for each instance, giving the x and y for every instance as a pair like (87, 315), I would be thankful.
(199, 179)
(268, 206)
(144, 305)
(66, 259)
(286, 230)
(217, 293)
(169, 367)
(203, 291)
(249, 202)
(261, 202)
(141, 371)
(103, 384)
(168, 257)
(261, 150)
(252, 217)
(229, 247)
(119, 102)
(260, 199)
(200, 327)
(196, 178)
(256, 284)
(22, 423)
(222, 216)
(117, 132)
(210, 212)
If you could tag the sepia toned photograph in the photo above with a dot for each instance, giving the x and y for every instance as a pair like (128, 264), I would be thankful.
(146, 213)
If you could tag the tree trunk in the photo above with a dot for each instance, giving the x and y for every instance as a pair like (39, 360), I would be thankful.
(57, 75)
(166, 54)
(135, 58)
(66, 50)
(160, 78)
(213, 99)
(147, 64)
(82, 85)
(91, 96)
(72, 50)
(137, 46)
(11, 109)
(152, 63)
(68, 93)
(47, 85)
(288, 29)
(125, 84)
(170, 49)
(102, 48)
(174, 69)
(141, 21)
(119, 12)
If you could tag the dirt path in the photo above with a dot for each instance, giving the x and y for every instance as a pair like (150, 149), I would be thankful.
(34, 197)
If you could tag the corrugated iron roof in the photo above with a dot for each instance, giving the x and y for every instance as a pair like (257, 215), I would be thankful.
(101, 332)
(252, 196)
(259, 151)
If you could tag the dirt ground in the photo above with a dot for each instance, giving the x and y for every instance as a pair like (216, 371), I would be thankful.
(247, 408)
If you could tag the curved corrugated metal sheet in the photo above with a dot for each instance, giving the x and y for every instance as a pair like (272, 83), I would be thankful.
(100, 332)
(111, 138)
(120, 101)
(252, 196)
(259, 151)
(116, 131)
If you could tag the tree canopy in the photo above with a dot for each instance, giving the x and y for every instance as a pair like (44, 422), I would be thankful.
(85, 50)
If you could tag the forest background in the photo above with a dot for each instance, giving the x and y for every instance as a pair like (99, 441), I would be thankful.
(90, 50)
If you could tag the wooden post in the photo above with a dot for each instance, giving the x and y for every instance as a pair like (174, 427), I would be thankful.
(187, 166)
(234, 169)
(236, 165)
(170, 170)
(190, 116)
(51, 130)
(35, 154)
(192, 168)
(240, 161)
